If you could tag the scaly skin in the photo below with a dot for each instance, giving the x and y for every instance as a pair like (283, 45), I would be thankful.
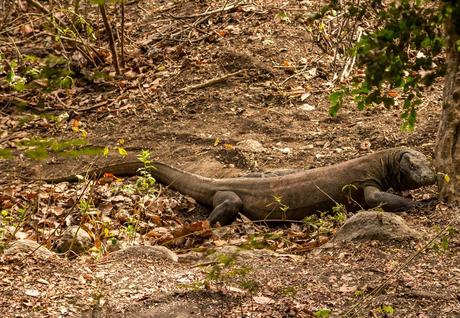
(358, 183)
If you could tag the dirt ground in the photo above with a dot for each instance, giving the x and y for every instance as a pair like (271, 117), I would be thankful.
(268, 111)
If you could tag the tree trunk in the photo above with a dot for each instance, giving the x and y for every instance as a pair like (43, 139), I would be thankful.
(447, 156)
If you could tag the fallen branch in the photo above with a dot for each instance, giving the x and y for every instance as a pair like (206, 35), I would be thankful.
(210, 82)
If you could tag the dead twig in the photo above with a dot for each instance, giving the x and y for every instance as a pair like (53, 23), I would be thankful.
(38, 6)
(46, 11)
(207, 13)
(122, 36)
(210, 82)
(103, 103)
(348, 68)
(108, 29)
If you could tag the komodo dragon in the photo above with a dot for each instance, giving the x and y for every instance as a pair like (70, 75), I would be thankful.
(303, 193)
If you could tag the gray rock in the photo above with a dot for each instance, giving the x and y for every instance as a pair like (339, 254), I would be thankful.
(142, 251)
(74, 239)
(26, 247)
(376, 225)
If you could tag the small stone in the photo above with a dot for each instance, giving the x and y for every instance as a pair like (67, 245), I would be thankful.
(304, 97)
(32, 292)
(21, 235)
(285, 150)
(262, 300)
(307, 107)
(122, 216)
(376, 225)
(365, 145)
(320, 143)
(74, 239)
(250, 145)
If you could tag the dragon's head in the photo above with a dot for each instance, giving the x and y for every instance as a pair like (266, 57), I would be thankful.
(415, 170)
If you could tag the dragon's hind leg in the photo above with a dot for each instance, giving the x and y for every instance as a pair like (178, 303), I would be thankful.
(226, 205)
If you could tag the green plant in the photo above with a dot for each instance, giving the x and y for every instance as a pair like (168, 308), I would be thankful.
(444, 176)
(12, 221)
(262, 240)
(386, 310)
(146, 181)
(97, 294)
(36, 153)
(401, 56)
(283, 16)
(16, 82)
(130, 228)
(442, 244)
(84, 206)
(322, 313)
(39, 148)
(339, 213)
(278, 204)
(226, 270)
(249, 285)
(289, 291)
(325, 221)
(5, 219)
(223, 262)
(359, 293)
(32, 72)
(6, 154)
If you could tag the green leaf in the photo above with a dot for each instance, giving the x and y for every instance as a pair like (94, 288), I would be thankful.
(388, 102)
(388, 310)
(19, 84)
(32, 72)
(54, 60)
(10, 76)
(335, 102)
(144, 157)
(409, 118)
(106, 151)
(445, 177)
(283, 16)
(122, 151)
(66, 82)
(323, 313)
(426, 42)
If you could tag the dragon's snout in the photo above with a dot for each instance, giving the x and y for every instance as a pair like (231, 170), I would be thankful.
(428, 177)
